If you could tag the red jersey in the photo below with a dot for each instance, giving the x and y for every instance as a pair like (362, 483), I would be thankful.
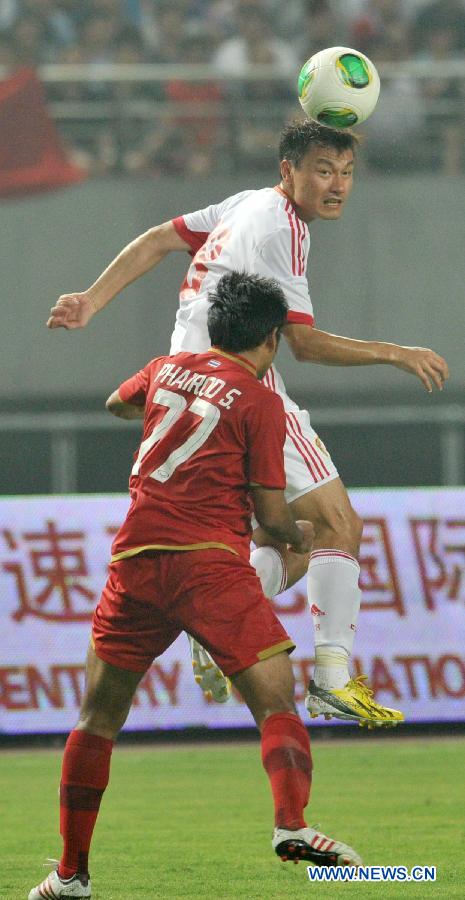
(210, 430)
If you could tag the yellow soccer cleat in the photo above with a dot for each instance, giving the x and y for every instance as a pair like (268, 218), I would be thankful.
(214, 684)
(354, 702)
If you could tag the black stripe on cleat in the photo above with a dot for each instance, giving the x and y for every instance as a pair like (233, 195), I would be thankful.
(300, 850)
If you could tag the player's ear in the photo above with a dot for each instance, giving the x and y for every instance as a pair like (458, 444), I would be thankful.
(286, 171)
(272, 340)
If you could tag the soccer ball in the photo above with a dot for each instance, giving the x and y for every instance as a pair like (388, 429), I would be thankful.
(338, 87)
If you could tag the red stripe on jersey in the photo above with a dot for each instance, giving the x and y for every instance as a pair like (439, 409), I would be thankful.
(272, 379)
(306, 444)
(299, 318)
(195, 239)
(288, 209)
(300, 448)
(266, 380)
(300, 247)
(320, 459)
(316, 456)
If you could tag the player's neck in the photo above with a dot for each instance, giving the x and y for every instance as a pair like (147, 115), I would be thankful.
(261, 359)
(249, 357)
(281, 189)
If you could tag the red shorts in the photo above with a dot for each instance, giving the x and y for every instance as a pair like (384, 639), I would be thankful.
(214, 596)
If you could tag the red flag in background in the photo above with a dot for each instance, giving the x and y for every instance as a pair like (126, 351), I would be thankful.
(32, 156)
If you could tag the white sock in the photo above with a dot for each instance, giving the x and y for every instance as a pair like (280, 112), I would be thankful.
(334, 597)
(271, 570)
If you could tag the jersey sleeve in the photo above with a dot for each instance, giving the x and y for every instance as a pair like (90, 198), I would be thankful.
(195, 227)
(134, 389)
(281, 256)
(266, 433)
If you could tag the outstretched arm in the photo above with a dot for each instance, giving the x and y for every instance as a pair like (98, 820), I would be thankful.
(312, 345)
(137, 258)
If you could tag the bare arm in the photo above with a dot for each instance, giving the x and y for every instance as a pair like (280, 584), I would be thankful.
(274, 515)
(137, 258)
(312, 345)
(123, 410)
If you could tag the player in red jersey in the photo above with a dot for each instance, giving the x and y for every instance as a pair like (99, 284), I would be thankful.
(212, 447)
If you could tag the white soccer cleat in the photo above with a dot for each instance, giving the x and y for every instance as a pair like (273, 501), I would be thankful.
(54, 888)
(208, 676)
(309, 845)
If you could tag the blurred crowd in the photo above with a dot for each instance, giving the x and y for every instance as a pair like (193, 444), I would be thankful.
(182, 126)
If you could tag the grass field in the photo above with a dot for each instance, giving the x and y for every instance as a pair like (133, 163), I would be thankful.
(195, 821)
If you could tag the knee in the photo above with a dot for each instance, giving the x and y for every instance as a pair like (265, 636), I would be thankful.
(273, 708)
(278, 698)
(100, 723)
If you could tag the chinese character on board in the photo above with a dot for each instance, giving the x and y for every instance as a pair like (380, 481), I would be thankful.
(379, 580)
(440, 551)
(50, 571)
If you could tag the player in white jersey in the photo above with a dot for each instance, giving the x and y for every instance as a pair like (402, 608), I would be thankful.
(266, 232)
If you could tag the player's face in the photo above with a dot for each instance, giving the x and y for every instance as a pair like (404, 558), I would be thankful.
(321, 184)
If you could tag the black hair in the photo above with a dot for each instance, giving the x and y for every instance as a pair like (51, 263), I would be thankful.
(244, 310)
(298, 137)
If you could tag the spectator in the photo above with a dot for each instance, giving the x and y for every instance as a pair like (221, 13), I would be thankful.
(8, 13)
(395, 133)
(255, 41)
(220, 19)
(166, 24)
(254, 134)
(93, 138)
(289, 18)
(444, 99)
(98, 36)
(380, 22)
(116, 9)
(29, 37)
(438, 15)
(8, 57)
(189, 142)
(320, 28)
(55, 19)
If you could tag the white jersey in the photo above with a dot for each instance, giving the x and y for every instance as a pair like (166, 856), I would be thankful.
(258, 232)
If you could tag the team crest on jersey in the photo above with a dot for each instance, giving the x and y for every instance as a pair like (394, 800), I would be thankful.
(319, 443)
(214, 363)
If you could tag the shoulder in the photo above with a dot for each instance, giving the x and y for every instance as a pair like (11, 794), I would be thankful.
(281, 215)
(154, 363)
(237, 200)
(266, 403)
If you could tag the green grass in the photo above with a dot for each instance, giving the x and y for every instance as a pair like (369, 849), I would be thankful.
(195, 821)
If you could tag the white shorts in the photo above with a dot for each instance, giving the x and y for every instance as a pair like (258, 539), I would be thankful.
(307, 462)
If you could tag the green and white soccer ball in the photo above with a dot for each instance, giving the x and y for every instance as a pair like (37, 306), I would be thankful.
(338, 87)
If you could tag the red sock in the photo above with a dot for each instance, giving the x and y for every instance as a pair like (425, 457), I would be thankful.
(288, 763)
(84, 777)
